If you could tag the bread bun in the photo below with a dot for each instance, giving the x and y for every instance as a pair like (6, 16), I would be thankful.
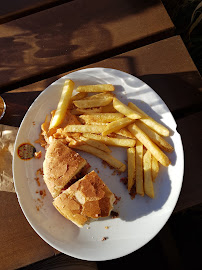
(87, 198)
(60, 166)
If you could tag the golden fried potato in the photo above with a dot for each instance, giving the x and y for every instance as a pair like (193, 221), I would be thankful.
(95, 88)
(63, 104)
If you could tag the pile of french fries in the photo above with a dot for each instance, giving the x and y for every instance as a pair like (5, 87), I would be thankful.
(105, 121)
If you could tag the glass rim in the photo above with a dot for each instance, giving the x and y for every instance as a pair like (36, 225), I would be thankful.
(4, 108)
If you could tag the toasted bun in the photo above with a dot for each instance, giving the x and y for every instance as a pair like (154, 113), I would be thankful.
(61, 164)
(87, 198)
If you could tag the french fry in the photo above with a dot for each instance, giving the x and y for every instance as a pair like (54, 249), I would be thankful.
(104, 156)
(101, 114)
(63, 104)
(111, 141)
(149, 121)
(85, 128)
(109, 108)
(156, 138)
(155, 168)
(95, 88)
(149, 144)
(122, 108)
(75, 112)
(100, 96)
(148, 184)
(124, 132)
(117, 125)
(131, 167)
(78, 111)
(79, 96)
(139, 168)
(91, 103)
(95, 123)
(101, 117)
(96, 144)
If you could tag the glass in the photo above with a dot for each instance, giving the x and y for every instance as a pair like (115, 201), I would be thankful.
(2, 107)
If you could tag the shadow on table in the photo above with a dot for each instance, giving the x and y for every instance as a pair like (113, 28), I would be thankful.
(65, 36)
(17, 104)
(182, 92)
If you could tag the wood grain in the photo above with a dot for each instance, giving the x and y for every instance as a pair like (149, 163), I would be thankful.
(11, 10)
(158, 64)
(20, 245)
(63, 262)
(69, 34)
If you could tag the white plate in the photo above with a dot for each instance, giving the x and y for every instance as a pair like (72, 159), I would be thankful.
(140, 219)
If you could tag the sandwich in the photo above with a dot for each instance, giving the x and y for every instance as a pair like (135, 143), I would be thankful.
(62, 167)
(88, 198)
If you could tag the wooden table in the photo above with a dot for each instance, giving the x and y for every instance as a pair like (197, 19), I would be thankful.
(44, 40)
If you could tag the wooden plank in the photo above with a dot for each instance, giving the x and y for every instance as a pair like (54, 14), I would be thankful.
(9, 7)
(63, 262)
(19, 243)
(72, 34)
(158, 64)
(11, 10)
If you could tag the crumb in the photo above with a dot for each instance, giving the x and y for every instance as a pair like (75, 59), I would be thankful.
(133, 192)
(104, 238)
(37, 154)
(105, 164)
(42, 193)
(39, 204)
(124, 180)
(114, 214)
(117, 199)
(39, 171)
(88, 228)
(33, 123)
(114, 172)
(37, 180)
(106, 227)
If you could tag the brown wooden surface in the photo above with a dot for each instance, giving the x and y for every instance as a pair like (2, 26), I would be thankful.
(62, 262)
(10, 6)
(159, 65)
(20, 245)
(11, 10)
(69, 34)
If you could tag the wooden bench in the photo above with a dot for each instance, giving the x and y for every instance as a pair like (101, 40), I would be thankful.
(74, 34)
